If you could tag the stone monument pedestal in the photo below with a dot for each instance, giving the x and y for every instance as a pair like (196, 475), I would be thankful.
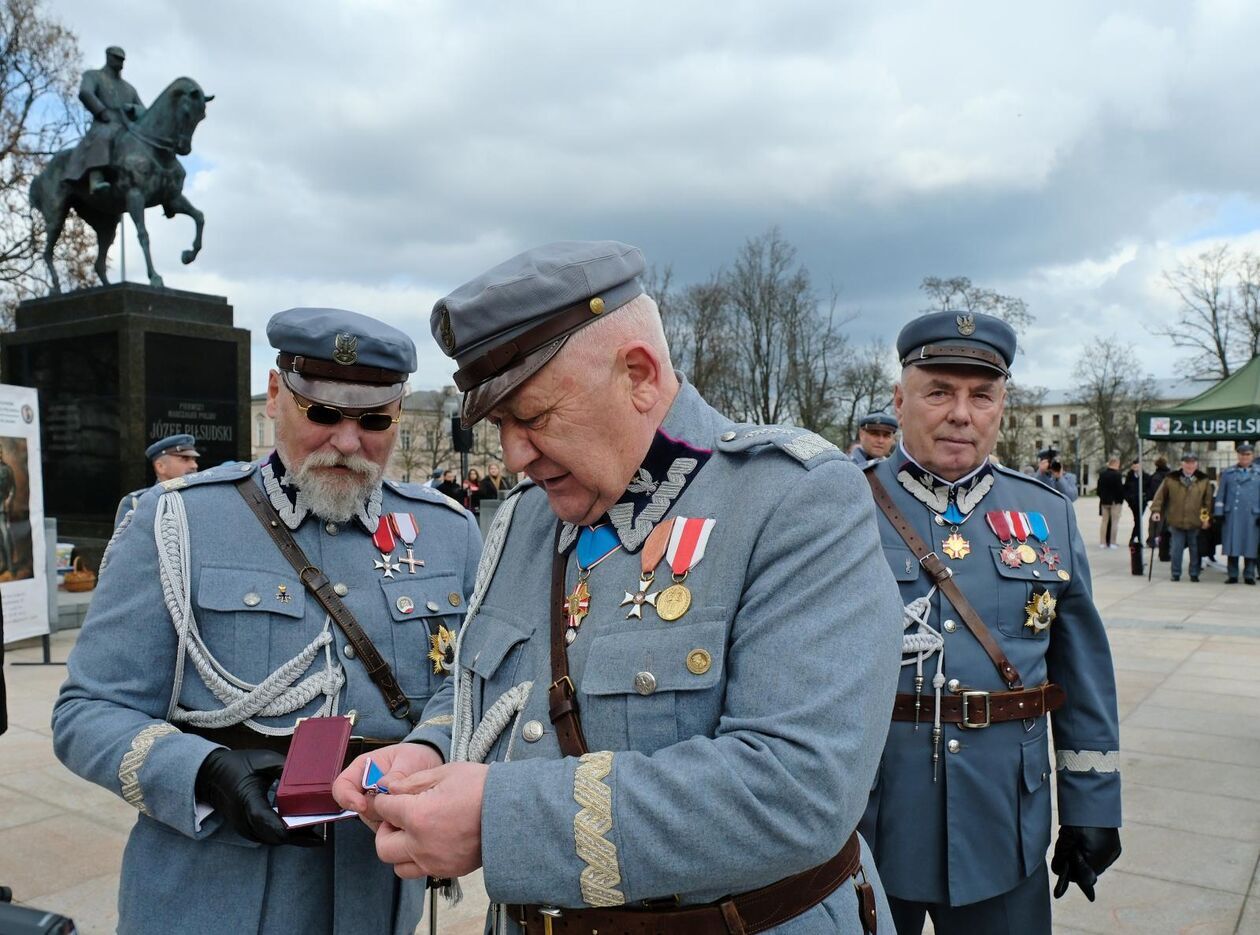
(118, 367)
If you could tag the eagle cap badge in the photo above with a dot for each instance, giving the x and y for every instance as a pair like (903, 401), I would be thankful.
(966, 324)
(345, 348)
(446, 332)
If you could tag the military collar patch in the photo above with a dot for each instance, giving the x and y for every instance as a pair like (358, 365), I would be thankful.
(671, 464)
(952, 501)
(291, 502)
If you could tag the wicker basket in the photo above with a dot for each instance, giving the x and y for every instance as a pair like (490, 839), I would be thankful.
(79, 578)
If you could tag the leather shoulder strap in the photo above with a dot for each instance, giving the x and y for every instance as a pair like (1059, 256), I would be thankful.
(317, 583)
(562, 695)
(943, 575)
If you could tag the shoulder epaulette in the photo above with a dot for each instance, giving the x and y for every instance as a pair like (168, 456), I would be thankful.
(809, 448)
(427, 494)
(1028, 479)
(227, 471)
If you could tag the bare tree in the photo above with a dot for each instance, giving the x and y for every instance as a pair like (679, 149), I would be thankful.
(958, 293)
(1247, 304)
(1014, 444)
(1111, 387)
(1205, 323)
(865, 385)
(817, 353)
(39, 115)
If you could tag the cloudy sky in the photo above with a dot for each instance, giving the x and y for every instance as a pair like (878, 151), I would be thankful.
(374, 155)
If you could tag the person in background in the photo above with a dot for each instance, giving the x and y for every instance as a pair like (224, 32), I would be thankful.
(1134, 478)
(451, 487)
(1186, 498)
(877, 436)
(494, 484)
(1110, 501)
(1050, 472)
(472, 490)
(1238, 506)
(1155, 533)
(173, 456)
(435, 478)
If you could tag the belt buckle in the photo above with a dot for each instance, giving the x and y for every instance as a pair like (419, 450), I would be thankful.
(966, 721)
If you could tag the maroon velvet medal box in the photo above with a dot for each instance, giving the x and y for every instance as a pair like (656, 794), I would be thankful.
(316, 757)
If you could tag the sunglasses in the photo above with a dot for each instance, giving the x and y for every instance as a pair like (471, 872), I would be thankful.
(321, 414)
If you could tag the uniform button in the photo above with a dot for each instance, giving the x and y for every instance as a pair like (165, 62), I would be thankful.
(454, 598)
(728, 436)
(348, 652)
(952, 685)
(950, 626)
(645, 683)
(405, 604)
(245, 467)
(340, 589)
(1036, 573)
(532, 731)
(698, 662)
(953, 746)
(940, 520)
(432, 607)
(332, 528)
(252, 599)
(1043, 777)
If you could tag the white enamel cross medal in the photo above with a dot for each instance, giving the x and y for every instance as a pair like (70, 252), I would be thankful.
(640, 597)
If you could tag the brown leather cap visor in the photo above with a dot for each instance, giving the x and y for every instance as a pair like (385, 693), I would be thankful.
(479, 400)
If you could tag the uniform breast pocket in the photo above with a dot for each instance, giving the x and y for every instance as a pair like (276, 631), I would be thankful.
(1027, 598)
(656, 687)
(905, 567)
(249, 618)
(425, 614)
(491, 648)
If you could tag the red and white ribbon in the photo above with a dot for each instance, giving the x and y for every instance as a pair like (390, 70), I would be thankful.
(1020, 527)
(405, 525)
(687, 543)
(384, 536)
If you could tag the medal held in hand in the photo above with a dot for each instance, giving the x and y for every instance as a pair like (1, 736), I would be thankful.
(687, 543)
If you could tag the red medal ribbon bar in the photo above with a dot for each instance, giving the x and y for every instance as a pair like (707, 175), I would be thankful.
(384, 536)
(687, 543)
(999, 524)
(1020, 527)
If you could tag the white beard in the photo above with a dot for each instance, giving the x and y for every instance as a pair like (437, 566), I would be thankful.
(332, 498)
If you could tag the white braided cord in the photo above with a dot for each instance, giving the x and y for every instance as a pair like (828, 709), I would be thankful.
(280, 693)
(495, 720)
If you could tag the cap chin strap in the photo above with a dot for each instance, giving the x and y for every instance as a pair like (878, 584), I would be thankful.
(966, 351)
(330, 370)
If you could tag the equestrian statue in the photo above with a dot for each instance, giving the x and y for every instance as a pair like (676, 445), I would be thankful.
(124, 164)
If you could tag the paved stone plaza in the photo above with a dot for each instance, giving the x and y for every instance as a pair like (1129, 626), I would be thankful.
(1186, 657)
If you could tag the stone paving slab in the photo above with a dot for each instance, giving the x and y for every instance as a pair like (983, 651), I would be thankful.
(1185, 657)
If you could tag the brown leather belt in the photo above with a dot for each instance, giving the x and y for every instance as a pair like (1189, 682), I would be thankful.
(238, 737)
(975, 709)
(745, 914)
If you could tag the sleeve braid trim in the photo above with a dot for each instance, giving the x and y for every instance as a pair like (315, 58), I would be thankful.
(1085, 761)
(602, 874)
(133, 761)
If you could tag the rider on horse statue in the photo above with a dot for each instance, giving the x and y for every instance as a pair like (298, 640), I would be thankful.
(113, 104)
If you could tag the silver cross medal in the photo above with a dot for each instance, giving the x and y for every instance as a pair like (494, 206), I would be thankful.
(386, 565)
(638, 599)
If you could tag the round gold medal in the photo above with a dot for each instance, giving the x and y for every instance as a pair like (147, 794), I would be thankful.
(673, 602)
(1026, 554)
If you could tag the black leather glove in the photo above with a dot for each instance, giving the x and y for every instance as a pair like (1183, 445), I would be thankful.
(236, 783)
(1080, 855)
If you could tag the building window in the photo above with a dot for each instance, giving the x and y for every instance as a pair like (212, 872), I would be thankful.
(1012, 420)
(404, 438)
(1072, 420)
(1211, 446)
(1055, 420)
(1039, 421)
(260, 432)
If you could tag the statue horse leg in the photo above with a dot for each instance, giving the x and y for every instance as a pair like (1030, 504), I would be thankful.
(181, 205)
(54, 206)
(135, 207)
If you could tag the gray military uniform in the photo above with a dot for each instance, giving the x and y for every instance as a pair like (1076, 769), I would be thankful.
(1238, 503)
(204, 623)
(732, 747)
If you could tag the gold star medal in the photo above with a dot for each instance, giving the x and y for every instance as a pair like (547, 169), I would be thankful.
(1040, 609)
(956, 547)
(688, 540)
(442, 651)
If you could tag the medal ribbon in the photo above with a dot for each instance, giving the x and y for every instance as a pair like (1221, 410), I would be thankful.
(654, 547)
(405, 525)
(1040, 528)
(384, 537)
(999, 524)
(687, 543)
(596, 543)
(1019, 524)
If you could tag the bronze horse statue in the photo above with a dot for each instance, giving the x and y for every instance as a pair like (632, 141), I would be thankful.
(143, 173)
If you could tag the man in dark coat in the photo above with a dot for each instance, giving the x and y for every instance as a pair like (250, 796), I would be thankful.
(1110, 500)
(1135, 481)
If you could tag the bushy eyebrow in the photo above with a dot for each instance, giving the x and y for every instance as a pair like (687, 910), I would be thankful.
(939, 384)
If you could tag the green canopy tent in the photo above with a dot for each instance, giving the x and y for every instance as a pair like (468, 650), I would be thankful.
(1229, 410)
